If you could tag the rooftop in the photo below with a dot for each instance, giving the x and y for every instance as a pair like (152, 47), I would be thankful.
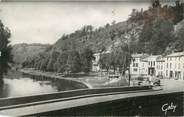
(139, 55)
(176, 54)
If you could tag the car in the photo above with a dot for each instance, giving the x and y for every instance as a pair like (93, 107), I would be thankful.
(156, 81)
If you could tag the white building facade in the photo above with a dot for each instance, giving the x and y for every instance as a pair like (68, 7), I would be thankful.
(174, 66)
(95, 65)
(160, 66)
(138, 65)
(170, 66)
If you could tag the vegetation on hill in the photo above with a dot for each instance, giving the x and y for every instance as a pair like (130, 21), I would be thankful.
(178, 43)
(22, 52)
(70, 61)
(150, 31)
(158, 22)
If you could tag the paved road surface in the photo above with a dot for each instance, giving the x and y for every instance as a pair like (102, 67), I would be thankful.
(172, 85)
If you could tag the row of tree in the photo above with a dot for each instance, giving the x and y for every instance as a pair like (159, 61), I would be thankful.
(71, 61)
(118, 60)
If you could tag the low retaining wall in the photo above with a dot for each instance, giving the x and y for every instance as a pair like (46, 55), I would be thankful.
(171, 104)
(10, 102)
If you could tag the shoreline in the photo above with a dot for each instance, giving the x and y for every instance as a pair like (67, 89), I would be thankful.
(53, 75)
(93, 80)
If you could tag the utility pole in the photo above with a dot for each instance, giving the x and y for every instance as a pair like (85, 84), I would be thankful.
(129, 75)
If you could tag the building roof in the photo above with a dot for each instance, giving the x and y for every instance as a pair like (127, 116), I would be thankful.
(151, 56)
(139, 55)
(160, 59)
(176, 54)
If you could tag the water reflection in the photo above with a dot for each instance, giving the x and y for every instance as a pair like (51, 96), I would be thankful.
(18, 84)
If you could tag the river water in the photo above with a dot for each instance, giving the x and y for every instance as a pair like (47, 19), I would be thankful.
(17, 84)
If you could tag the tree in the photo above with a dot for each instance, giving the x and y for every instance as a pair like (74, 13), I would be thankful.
(104, 61)
(86, 59)
(123, 58)
(74, 61)
(155, 3)
(62, 60)
(119, 59)
(178, 11)
(52, 60)
(5, 50)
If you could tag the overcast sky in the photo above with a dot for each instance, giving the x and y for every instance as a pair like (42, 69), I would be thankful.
(47, 22)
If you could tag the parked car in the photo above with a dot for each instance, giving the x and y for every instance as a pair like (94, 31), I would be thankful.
(142, 80)
(156, 81)
(160, 76)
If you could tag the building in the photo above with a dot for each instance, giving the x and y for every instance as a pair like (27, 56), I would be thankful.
(95, 65)
(169, 66)
(160, 66)
(138, 65)
(152, 61)
(95, 62)
(174, 65)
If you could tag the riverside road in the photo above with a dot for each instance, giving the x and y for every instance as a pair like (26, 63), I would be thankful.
(53, 107)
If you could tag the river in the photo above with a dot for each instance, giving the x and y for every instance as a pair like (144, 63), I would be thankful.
(17, 84)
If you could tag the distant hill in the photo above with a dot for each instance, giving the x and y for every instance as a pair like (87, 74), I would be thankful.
(21, 52)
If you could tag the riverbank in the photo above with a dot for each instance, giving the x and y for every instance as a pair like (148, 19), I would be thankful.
(92, 80)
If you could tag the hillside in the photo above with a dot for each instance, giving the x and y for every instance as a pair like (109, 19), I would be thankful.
(21, 52)
(153, 31)
(96, 39)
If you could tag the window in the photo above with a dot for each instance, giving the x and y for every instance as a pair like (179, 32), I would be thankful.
(166, 72)
(135, 69)
(179, 66)
(176, 74)
(154, 63)
(170, 65)
(136, 64)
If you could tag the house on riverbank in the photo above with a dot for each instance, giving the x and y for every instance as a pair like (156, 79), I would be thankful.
(169, 66)
(95, 65)
(174, 66)
(139, 65)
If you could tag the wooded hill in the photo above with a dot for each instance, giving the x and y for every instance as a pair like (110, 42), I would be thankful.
(21, 52)
(151, 31)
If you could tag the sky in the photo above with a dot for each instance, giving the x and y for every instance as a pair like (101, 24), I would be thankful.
(46, 22)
